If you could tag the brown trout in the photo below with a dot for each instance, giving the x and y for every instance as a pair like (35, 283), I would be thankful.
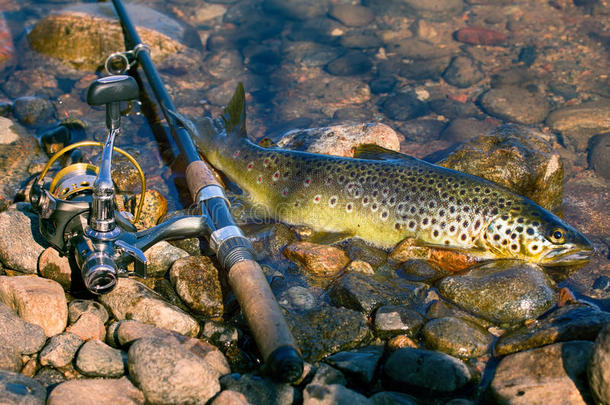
(383, 197)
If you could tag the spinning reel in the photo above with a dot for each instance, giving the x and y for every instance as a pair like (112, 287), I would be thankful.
(77, 212)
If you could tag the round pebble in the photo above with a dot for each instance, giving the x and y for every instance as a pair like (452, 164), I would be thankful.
(96, 359)
(515, 104)
(599, 155)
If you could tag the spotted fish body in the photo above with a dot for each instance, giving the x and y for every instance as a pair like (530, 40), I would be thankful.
(384, 197)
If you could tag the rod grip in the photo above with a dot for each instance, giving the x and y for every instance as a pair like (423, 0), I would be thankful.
(266, 321)
(198, 176)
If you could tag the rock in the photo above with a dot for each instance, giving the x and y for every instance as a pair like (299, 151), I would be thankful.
(480, 36)
(359, 364)
(512, 103)
(49, 377)
(270, 241)
(402, 107)
(571, 322)
(327, 375)
(97, 359)
(225, 64)
(352, 15)
(420, 270)
(580, 122)
(326, 329)
(21, 243)
(356, 40)
(417, 49)
(230, 398)
(413, 370)
(260, 391)
(599, 155)
(32, 110)
(133, 300)
(359, 266)
(7, 47)
(456, 337)
(393, 398)
(10, 359)
(352, 63)
(21, 390)
(99, 391)
(340, 140)
(392, 320)
(94, 27)
(195, 279)
(515, 157)
(514, 291)
(360, 250)
(55, 267)
(318, 260)
(431, 69)
(439, 308)
(382, 84)
(160, 258)
(171, 374)
(463, 72)
(550, 374)
(297, 9)
(364, 293)
(599, 367)
(220, 334)
(24, 337)
(401, 342)
(36, 300)
(60, 350)
(155, 208)
(297, 297)
(165, 288)
(332, 394)
(465, 129)
(87, 327)
(76, 308)
(435, 10)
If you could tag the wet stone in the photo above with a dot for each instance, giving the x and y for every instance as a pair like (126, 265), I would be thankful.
(421, 270)
(165, 288)
(33, 110)
(36, 300)
(359, 266)
(132, 299)
(154, 208)
(318, 260)
(402, 107)
(421, 130)
(332, 394)
(392, 320)
(219, 334)
(358, 365)
(431, 69)
(393, 398)
(599, 367)
(297, 9)
(102, 391)
(225, 64)
(456, 337)
(550, 374)
(96, 359)
(352, 15)
(171, 374)
(55, 267)
(480, 36)
(10, 359)
(571, 322)
(414, 370)
(195, 279)
(515, 157)
(366, 293)
(357, 40)
(20, 390)
(353, 63)
(326, 329)
(599, 155)
(463, 72)
(435, 10)
(270, 241)
(87, 327)
(60, 350)
(580, 122)
(465, 129)
(19, 247)
(514, 291)
(413, 48)
(297, 298)
(259, 391)
(327, 375)
(382, 84)
(24, 337)
(78, 307)
(516, 104)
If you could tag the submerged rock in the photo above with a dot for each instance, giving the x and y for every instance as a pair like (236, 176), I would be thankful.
(392, 320)
(358, 364)
(456, 337)
(318, 260)
(195, 279)
(580, 122)
(102, 391)
(551, 374)
(516, 157)
(352, 15)
(503, 291)
(599, 367)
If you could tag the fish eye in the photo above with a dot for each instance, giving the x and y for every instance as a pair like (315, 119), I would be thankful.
(558, 236)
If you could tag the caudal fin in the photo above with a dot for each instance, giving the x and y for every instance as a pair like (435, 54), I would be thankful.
(234, 115)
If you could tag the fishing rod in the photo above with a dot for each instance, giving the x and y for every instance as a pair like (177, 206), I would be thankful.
(233, 250)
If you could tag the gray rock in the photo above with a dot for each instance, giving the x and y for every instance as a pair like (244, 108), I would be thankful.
(599, 155)
(551, 374)
(514, 291)
(357, 40)
(78, 307)
(430, 69)
(260, 391)
(464, 129)
(327, 375)
(352, 63)
(393, 398)
(421, 270)
(297, 297)
(415, 369)
(392, 320)
(402, 107)
(60, 350)
(435, 10)
(171, 374)
(463, 72)
(352, 15)
(33, 110)
(96, 391)
(325, 330)
(417, 49)
(580, 122)
(160, 258)
(195, 279)
(359, 250)
(20, 390)
(132, 299)
(332, 394)
(49, 377)
(24, 337)
(358, 364)
(571, 322)
(364, 293)
(599, 367)
(456, 337)
(225, 64)
(96, 359)
(297, 9)
(9, 359)
(512, 103)
(21, 243)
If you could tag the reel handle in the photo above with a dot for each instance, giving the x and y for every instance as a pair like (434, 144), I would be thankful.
(110, 91)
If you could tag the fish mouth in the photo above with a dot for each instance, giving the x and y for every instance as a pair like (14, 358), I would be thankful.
(567, 256)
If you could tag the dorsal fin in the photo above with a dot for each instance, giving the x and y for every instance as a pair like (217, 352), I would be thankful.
(234, 115)
(373, 151)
